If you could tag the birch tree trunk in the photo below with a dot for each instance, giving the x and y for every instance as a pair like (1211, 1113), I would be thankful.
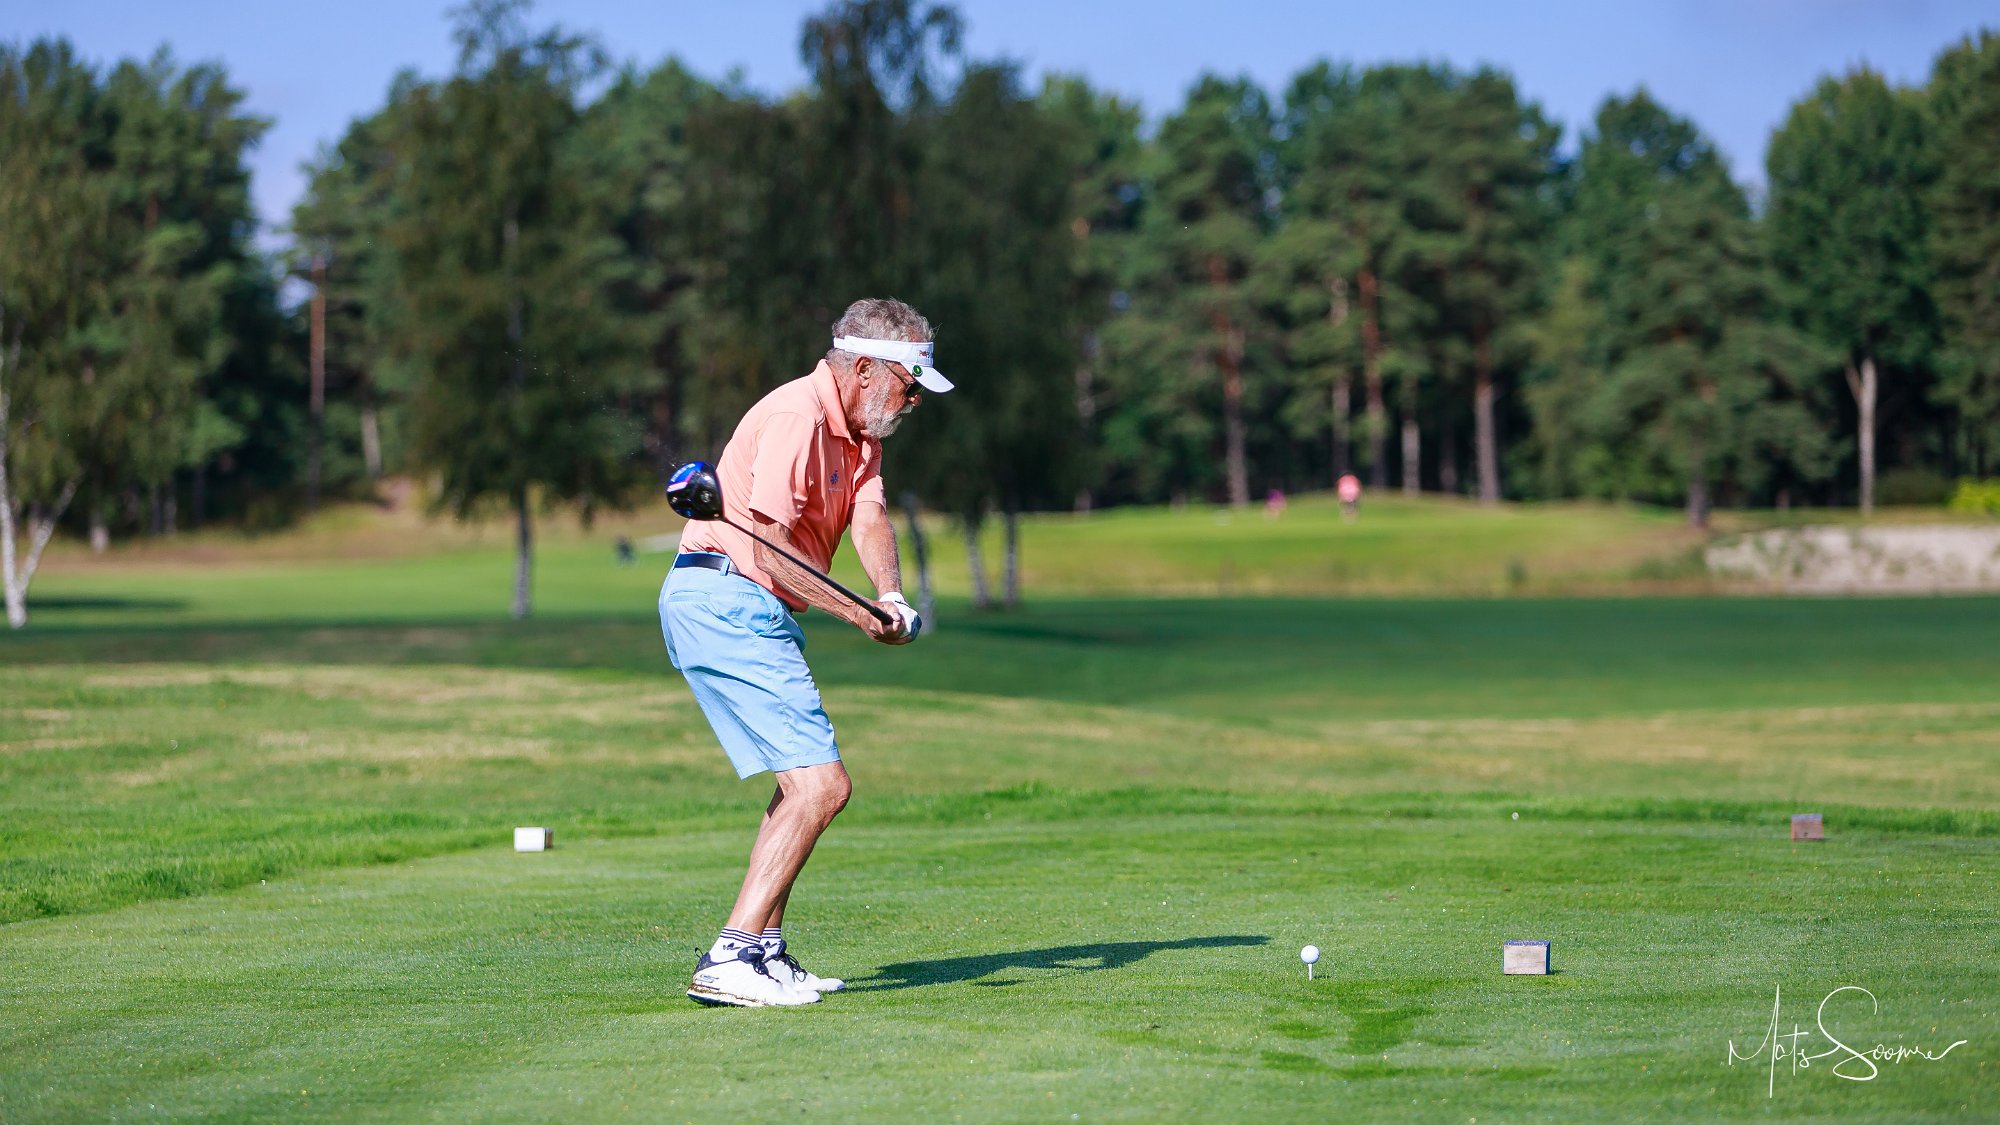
(371, 433)
(1343, 425)
(524, 534)
(1697, 501)
(1865, 386)
(1229, 358)
(1233, 428)
(1086, 414)
(1011, 581)
(1447, 439)
(981, 599)
(41, 527)
(1343, 385)
(16, 595)
(14, 579)
(316, 383)
(1412, 453)
(524, 554)
(1485, 435)
(926, 603)
(1371, 372)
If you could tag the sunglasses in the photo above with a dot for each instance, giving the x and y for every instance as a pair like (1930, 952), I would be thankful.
(912, 387)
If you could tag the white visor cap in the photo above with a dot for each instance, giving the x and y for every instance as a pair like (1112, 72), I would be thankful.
(912, 354)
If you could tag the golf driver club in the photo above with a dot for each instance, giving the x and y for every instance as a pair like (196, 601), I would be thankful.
(694, 492)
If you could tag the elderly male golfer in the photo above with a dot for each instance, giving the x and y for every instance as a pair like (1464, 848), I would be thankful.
(803, 466)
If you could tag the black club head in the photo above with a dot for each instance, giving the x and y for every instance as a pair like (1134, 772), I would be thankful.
(694, 492)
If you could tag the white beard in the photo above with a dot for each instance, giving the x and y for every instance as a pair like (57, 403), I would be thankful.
(882, 428)
(876, 420)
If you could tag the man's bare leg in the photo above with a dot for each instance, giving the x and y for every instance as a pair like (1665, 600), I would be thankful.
(807, 800)
(777, 921)
(777, 918)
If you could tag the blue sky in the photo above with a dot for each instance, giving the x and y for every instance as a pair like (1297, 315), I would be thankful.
(1732, 65)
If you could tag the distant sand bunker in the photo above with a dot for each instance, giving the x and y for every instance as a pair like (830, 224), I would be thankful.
(1833, 560)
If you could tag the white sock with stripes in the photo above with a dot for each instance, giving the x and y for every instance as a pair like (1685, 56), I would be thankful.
(774, 942)
(726, 946)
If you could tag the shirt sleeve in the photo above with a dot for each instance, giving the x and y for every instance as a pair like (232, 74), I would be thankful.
(783, 468)
(868, 487)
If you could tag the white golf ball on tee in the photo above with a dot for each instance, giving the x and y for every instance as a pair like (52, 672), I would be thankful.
(1309, 954)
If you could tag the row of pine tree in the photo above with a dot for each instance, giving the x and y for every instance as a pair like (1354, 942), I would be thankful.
(540, 280)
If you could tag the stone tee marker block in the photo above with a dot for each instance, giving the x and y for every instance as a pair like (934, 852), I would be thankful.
(1525, 959)
(534, 839)
(1808, 826)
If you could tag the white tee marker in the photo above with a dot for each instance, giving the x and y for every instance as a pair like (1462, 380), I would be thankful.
(1525, 958)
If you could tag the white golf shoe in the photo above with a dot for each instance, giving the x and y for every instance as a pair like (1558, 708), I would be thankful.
(747, 982)
(786, 967)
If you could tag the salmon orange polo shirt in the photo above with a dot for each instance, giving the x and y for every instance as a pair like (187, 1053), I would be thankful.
(793, 461)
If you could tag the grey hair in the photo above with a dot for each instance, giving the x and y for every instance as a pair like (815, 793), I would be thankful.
(877, 318)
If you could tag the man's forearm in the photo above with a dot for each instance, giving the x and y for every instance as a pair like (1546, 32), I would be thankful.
(799, 582)
(875, 543)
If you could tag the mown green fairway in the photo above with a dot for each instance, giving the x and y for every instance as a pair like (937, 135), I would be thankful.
(258, 864)
(360, 563)
(1132, 961)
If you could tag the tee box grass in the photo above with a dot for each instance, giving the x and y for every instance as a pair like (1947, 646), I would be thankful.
(260, 865)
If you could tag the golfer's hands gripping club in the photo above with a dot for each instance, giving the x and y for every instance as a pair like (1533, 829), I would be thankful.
(879, 620)
(906, 615)
(896, 632)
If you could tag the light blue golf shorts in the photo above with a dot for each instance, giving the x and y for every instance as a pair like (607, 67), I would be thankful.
(744, 655)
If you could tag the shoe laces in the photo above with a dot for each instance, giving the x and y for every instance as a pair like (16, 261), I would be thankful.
(755, 957)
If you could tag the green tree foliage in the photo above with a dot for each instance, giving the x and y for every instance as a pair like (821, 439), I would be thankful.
(806, 204)
(1414, 199)
(1694, 384)
(132, 313)
(995, 272)
(546, 283)
(1569, 452)
(1965, 201)
(501, 255)
(1194, 356)
(994, 226)
(1310, 268)
(1347, 159)
(760, 282)
(905, 172)
(181, 211)
(637, 148)
(1849, 237)
(1100, 149)
(339, 250)
(879, 68)
(54, 212)
(1492, 163)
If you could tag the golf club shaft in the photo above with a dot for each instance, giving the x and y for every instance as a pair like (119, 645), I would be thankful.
(809, 568)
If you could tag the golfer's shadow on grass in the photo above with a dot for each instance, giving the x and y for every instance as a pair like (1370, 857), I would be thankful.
(1061, 958)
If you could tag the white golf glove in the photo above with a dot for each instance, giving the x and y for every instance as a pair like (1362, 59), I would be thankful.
(913, 622)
